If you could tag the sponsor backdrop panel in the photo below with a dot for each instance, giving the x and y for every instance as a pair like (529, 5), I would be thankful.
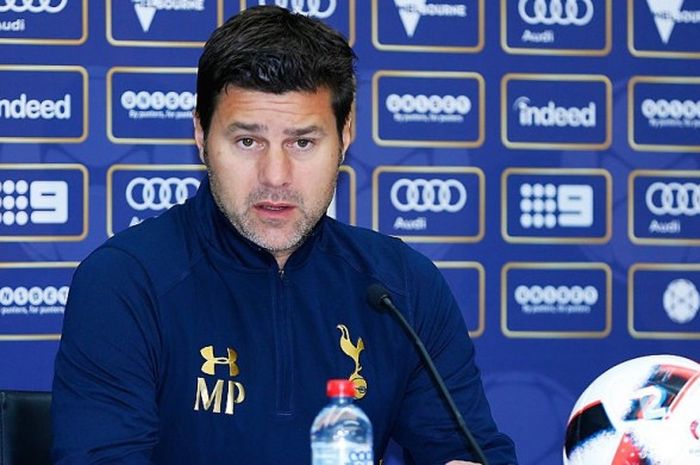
(139, 111)
(543, 153)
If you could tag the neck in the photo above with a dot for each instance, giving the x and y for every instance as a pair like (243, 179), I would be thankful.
(282, 257)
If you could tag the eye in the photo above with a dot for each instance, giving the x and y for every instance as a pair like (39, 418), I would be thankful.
(304, 143)
(246, 142)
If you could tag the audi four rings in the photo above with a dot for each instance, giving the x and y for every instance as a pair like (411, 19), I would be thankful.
(313, 8)
(673, 198)
(32, 6)
(435, 195)
(567, 13)
(158, 193)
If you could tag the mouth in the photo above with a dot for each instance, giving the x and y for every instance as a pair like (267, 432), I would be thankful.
(274, 209)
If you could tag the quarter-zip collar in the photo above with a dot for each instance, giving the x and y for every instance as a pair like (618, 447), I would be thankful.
(218, 232)
(229, 250)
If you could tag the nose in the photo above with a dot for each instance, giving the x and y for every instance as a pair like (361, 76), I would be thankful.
(275, 168)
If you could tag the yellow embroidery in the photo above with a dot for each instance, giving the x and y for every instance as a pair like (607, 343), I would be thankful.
(210, 360)
(353, 351)
(224, 393)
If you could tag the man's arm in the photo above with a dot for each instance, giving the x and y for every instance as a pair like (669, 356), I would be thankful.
(425, 427)
(103, 404)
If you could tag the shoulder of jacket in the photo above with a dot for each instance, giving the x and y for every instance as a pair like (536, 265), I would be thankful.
(165, 247)
(385, 258)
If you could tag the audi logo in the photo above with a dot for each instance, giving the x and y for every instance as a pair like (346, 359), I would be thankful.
(673, 198)
(561, 295)
(36, 296)
(435, 195)
(159, 193)
(435, 104)
(306, 7)
(31, 6)
(566, 13)
(158, 100)
(663, 108)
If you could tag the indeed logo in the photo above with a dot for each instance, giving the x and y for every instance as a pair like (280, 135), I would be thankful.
(158, 105)
(25, 108)
(552, 115)
(668, 13)
(146, 9)
(671, 113)
(428, 109)
(411, 11)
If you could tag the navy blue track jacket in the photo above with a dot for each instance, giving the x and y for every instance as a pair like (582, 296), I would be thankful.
(184, 344)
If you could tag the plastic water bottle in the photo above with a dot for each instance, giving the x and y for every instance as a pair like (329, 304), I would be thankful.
(341, 433)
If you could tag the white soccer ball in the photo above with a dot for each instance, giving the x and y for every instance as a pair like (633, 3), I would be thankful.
(645, 411)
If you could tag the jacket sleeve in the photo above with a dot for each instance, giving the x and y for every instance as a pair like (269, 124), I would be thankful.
(104, 390)
(425, 428)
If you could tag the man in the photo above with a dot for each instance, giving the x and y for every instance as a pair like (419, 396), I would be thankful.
(206, 336)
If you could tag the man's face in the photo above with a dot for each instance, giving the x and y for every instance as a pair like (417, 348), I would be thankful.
(273, 162)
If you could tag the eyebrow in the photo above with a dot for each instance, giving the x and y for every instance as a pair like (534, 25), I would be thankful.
(258, 128)
(313, 129)
(252, 127)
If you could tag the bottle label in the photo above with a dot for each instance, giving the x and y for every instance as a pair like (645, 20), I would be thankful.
(346, 454)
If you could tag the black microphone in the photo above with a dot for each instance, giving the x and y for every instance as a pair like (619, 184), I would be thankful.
(379, 298)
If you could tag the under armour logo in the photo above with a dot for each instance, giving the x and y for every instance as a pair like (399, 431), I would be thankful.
(210, 360)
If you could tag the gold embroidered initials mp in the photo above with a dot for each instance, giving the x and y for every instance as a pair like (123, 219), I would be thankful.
(212, 399)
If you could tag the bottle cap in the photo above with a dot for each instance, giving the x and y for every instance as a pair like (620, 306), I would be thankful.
(340, 388)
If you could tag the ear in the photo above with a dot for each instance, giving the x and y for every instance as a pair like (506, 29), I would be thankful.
(347, 136)
(199, 136)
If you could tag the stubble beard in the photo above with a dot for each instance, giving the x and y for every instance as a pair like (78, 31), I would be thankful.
(245, 222)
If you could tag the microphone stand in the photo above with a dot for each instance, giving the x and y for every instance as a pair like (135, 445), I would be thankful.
(379, 298)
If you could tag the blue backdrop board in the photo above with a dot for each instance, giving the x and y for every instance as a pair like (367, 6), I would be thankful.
(544, 153)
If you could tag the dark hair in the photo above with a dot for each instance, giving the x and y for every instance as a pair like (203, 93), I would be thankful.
(270, 49)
